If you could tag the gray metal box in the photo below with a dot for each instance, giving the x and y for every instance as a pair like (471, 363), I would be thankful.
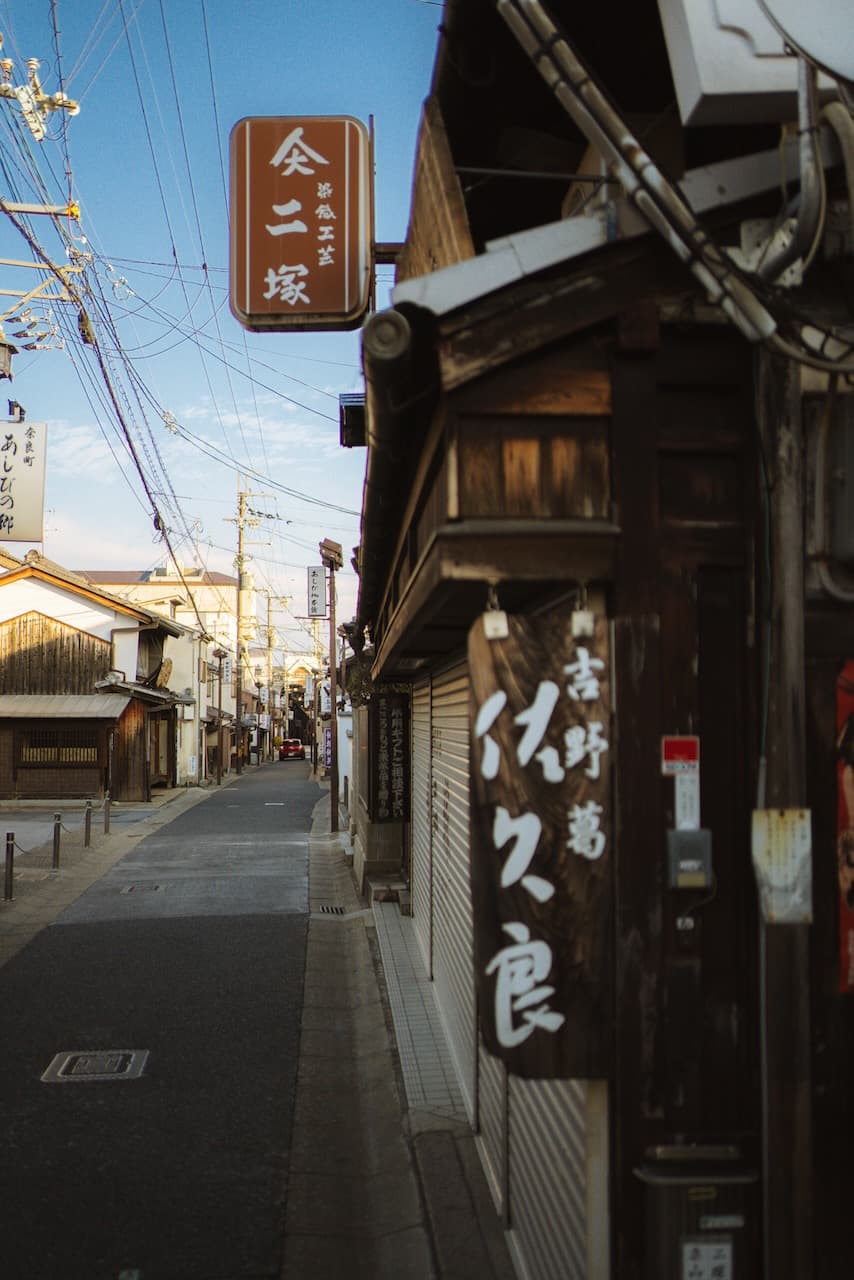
(689, 859)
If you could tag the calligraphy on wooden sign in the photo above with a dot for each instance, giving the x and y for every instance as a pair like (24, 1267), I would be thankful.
(541, 854)
(301, 222)
(390, 756)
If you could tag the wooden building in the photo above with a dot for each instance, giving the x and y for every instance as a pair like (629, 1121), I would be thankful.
(85, 706)
(595, 566)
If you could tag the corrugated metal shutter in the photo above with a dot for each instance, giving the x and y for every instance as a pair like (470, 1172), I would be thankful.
(422, 870)
(452, 914)
(492, 1127)
(548, 1178)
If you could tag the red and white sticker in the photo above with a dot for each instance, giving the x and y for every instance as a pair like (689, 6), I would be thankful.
(680, 755)
(680, 760)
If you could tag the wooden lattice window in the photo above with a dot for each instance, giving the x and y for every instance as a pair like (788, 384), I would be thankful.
(64, 745)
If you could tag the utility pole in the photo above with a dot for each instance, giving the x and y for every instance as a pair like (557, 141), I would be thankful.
(35, 104)
(332, 557)
(220, 655)
(37, 331)
(241, 521)
(269, 675)
(784, 948)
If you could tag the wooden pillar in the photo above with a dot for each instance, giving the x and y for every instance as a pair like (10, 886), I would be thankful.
(784, 993)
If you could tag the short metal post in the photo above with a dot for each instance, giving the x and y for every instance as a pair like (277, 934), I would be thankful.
(106, 813)
(8, 883)
(57, 825)
(87, 825)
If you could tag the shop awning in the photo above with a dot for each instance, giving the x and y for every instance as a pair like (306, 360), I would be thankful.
(62, 706)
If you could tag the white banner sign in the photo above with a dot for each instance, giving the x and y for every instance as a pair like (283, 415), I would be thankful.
(316, 591)
(22, 465)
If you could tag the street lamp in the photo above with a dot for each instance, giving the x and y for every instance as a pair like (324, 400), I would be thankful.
(220, 655)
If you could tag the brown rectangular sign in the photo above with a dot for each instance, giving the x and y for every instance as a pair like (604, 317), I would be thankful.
(301, 222)
(541, 854)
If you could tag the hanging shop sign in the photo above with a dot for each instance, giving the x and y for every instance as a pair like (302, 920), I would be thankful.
(301, 222)
(845, 823)
(541, 854)
(316, 591)
(22, 468)
(389, 710)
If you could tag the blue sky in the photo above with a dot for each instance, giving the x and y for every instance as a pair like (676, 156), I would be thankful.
(160, 84)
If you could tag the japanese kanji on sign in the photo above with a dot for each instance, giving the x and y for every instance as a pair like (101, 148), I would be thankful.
(540, 854)
(22, 474)
(301, 222)
(316, 575)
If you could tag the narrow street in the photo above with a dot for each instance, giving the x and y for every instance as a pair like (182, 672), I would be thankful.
(192, 950)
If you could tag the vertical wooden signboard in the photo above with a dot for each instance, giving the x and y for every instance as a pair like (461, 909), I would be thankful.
(390, 756)
(541, 843)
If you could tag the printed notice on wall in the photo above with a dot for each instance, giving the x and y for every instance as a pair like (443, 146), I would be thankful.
(707, 1259)
(22, 467)
(390, 756)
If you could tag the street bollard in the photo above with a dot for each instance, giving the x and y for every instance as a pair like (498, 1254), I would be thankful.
(106, 813)
(87, 825)
(8, 890)
(57, 825)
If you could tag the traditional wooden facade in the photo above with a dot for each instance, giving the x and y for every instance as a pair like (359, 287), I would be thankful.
(84, 707)
(565, 438)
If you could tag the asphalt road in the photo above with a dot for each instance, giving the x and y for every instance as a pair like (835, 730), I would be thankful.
(191, 948)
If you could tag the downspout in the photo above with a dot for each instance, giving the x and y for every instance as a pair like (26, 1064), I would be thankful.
(811, 205)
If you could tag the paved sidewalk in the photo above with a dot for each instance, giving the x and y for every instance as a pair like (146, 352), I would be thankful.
(385, 1179)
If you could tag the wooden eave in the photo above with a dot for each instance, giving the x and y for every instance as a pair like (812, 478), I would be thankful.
(523, 559)
(556, 305)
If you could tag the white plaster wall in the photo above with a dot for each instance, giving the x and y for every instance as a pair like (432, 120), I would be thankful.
(31, 595)
(125, 650)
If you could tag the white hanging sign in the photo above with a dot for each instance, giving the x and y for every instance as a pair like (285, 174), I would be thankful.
(22, 468)
(316, 591)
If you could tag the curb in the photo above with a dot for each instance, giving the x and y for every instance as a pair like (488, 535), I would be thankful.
(404, 1193)
(354, 1207)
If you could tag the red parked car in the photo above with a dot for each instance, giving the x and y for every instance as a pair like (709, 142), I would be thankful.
(292, 749)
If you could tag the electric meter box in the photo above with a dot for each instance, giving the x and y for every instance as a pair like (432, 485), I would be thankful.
(701, 1217)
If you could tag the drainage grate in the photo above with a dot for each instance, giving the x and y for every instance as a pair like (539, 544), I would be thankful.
(142, 888)
(96, 1064)
(332, 911)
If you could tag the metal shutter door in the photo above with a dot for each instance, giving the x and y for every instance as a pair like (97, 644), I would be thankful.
(548, 1178)
(452, 912)
(491, 1116)
(422, 870)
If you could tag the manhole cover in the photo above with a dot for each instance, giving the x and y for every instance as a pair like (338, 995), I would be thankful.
(96, 1064)
(141, 888)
